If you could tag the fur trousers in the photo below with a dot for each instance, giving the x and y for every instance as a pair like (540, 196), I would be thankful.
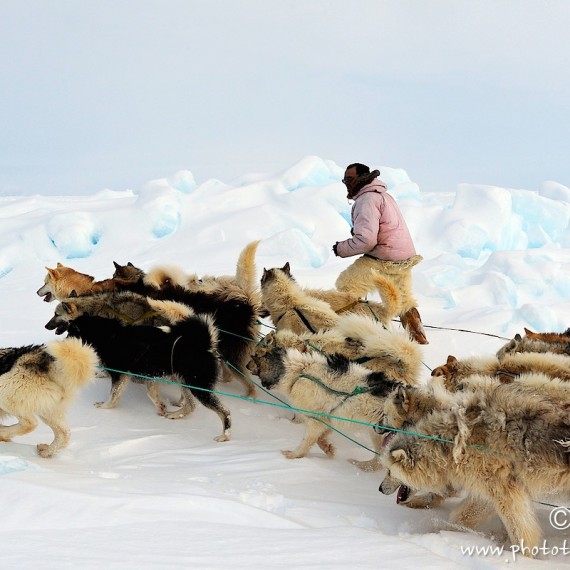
(356, 278)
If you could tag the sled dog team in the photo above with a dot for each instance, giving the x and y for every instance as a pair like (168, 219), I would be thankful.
(494, 430)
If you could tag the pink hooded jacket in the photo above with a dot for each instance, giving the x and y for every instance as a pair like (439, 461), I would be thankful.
(378, 227)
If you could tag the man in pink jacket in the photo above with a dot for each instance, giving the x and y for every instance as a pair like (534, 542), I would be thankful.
(380, 235)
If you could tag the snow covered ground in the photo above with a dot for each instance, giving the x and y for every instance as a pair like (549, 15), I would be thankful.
(135, 490)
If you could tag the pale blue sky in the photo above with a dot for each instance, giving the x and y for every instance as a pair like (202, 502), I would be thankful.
(113, 93)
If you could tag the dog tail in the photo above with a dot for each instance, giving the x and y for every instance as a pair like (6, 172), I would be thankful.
(246, 275)
(246, 270)
(171, 310)
(200, 329)
(391, 298)
(162, 275)
(76, 361)
(391, 351)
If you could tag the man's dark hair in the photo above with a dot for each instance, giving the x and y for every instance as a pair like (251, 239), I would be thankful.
(360, 168)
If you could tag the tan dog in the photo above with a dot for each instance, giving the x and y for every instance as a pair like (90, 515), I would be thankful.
(454, 371)
(40, 382)
(61, 282)
(327, 386)
(359, 338)
(290, 307)
(504, 444)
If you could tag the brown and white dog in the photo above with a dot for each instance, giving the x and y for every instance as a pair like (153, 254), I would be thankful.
(558, 343)
(61, 282)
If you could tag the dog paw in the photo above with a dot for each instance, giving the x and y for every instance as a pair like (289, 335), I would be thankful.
(103, 405)
(223, 437)
(329, 449)
(291, 454)
(44, 450)
(370, 465)
(176, 415)
(426, 501)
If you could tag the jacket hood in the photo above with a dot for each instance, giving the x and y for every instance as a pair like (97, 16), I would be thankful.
(362, 181)
(367, 180)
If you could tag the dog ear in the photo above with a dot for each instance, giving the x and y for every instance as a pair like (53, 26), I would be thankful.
(129, 264)
(59, 265)
(67, 307)
(286, 268)
(400, 456)
(117, 266)
(518, 337)
(73, 294)
(402, 400)
(530, 334)
(451, 359)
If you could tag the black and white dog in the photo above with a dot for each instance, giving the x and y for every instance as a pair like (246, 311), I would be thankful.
(186, 350)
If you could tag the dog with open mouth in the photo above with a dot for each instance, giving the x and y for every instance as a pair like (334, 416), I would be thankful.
(503, 444)
(62, 282)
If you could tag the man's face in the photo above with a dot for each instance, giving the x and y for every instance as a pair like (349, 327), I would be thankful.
(349, 179)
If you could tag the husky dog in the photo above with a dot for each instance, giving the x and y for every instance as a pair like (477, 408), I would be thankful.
(167, 275)
(127, 274)
(556, 338)
(129, 309)
(235, 315)
(360, 339)
(558, 343)
(300, 309)
(59, 283)
(504, 444)
(290, 307)
(126, 306)
(328, 386)
(186, 350)
(40, 381)
(454, 371)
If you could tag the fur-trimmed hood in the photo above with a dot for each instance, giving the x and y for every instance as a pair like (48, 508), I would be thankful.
(364, 180)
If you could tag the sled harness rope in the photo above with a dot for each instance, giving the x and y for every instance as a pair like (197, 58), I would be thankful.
(353, 304)
(281, 404)
(130, 320)
(358, 390)
(300, 314)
